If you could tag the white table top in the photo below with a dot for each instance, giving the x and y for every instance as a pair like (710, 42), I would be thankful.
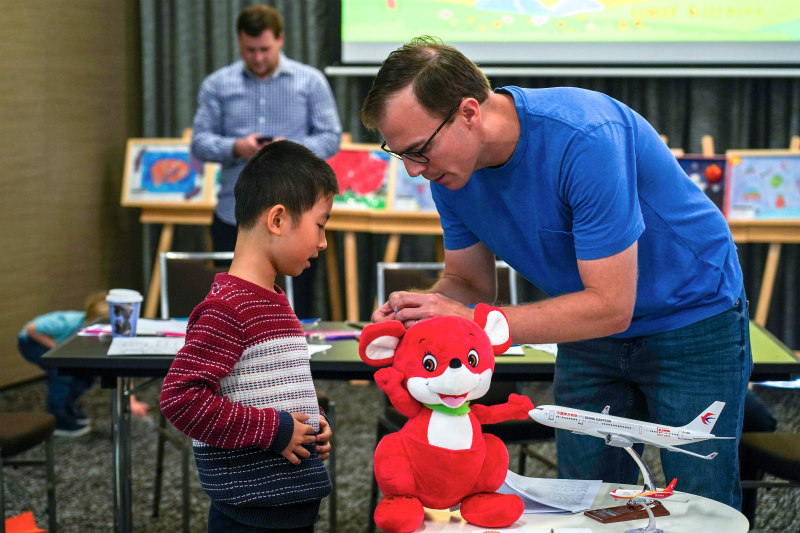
(688, 514)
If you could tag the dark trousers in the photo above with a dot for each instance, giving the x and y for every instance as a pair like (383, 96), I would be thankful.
(221, 523)
(223, 238)
(62, 391)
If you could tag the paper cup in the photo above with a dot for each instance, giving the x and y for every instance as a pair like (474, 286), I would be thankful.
(123, 310)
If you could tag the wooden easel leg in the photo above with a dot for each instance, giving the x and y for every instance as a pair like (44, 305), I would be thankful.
(392, 248)
(164, 244)
(768, 283)
(351, 275)
(334, 291)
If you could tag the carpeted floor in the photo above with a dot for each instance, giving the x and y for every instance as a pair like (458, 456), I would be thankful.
(84, 465)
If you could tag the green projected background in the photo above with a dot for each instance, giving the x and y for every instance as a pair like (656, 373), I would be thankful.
(723, 29)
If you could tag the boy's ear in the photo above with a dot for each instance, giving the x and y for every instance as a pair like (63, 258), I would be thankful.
(275, 218)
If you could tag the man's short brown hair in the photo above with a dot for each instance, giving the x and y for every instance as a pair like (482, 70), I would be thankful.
(441, 77)
(255, 20)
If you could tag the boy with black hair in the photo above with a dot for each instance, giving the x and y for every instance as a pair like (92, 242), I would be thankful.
(241, 386)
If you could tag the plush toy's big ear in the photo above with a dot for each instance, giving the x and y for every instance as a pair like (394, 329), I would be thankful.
(495, 324)
(378, 341)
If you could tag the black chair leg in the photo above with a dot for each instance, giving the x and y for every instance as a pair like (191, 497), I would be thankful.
(187, 511)
(332, 473)
(162, 427)
(52, 523)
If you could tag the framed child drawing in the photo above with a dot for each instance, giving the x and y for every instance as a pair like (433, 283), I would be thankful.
(763, 185)
(363, 172)
(708, 173)
(162, 172)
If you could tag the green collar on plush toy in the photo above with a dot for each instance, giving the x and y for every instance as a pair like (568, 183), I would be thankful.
(452, 411)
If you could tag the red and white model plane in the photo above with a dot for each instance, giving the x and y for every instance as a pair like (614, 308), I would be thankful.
(658, 494)
(624, 432)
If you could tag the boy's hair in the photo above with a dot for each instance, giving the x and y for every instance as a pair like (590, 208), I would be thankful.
(96, 305)
(284, 173)
(255, 20)
(441, 77)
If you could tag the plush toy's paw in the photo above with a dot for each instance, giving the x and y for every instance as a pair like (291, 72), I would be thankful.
(490, 509)
(399, 514)
(388, 378)
(521, 404)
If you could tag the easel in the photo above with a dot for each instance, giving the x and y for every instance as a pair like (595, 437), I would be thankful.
(168, 218)
(166, 211)
(774, 232)
(350, 221)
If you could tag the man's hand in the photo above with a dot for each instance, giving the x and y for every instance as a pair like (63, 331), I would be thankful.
(303, 434)
(411, 307)
(324, 439)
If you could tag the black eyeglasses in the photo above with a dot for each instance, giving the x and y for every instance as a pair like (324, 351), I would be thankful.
(416, 155)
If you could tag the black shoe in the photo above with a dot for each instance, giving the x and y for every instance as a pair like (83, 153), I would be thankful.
(76, 411)
(67, 426)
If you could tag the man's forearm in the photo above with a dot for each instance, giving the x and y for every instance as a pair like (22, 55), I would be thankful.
(570, 317)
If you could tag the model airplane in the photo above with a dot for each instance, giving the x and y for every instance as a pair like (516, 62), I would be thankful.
(624, 432)
(627, 494)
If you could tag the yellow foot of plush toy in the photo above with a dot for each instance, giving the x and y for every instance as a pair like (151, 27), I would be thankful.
(399, 514)
(489, 509)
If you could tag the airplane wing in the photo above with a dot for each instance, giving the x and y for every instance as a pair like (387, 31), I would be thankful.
(676, 449)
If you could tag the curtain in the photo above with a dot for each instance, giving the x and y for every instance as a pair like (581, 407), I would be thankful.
(185, 40)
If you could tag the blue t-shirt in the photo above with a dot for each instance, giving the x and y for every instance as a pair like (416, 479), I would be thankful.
(588, 178)
(56, 324)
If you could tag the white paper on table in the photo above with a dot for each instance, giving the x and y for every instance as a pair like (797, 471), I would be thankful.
(549, 348)
(515, 349)
(150, 326)
(316, 348)
(545, 495)
(145, 345)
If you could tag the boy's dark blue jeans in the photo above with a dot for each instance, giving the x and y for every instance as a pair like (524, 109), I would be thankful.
(219, 522)
(62, 391)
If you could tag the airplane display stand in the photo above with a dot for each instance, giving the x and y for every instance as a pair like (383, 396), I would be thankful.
(649, 484)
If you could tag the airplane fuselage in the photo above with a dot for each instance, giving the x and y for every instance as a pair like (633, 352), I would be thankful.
(616, 431)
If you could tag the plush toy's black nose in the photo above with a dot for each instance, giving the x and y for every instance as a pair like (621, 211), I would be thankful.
(455, 363)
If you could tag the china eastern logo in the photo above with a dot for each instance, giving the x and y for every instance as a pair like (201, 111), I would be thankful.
(708, 417)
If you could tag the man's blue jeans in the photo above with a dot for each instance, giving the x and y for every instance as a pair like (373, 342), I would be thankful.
(667, 378)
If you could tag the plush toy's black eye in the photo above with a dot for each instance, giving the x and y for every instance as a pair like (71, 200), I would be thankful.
(429, 363)
(473, 359)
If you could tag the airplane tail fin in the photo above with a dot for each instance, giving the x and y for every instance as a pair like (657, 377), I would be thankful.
(704, 422)
(671, 486)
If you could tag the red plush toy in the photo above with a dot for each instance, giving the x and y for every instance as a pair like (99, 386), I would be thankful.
(441, 458)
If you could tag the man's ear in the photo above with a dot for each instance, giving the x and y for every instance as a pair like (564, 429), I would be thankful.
(471, 110)
(275, 218)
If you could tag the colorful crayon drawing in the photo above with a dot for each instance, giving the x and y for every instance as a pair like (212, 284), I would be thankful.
(411, 194)
(162, 172)
(708, 173)
(763, 185)
(362, 172)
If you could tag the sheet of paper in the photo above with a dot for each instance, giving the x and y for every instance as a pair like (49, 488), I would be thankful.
(317, 348)
(549, 348)
(149, 326)
(545, 495)
(145, 345)
(515, 349)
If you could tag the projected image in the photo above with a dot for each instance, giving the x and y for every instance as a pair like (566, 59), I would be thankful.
(567, 22)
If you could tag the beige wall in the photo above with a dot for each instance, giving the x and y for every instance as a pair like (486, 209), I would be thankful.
(69, 98)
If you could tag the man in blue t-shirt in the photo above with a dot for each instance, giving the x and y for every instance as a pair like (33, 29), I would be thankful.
(578, 193)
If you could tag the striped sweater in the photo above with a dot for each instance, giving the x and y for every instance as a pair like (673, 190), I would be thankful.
(243, 369)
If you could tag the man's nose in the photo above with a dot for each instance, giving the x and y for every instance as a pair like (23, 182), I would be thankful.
(413, 168)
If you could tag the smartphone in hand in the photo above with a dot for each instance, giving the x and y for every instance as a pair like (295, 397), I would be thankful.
(263, 139)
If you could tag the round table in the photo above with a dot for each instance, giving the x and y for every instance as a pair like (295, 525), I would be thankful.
(688, 514)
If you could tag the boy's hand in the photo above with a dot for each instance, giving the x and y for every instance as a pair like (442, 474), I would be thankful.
(324, 439)
(303, 434)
